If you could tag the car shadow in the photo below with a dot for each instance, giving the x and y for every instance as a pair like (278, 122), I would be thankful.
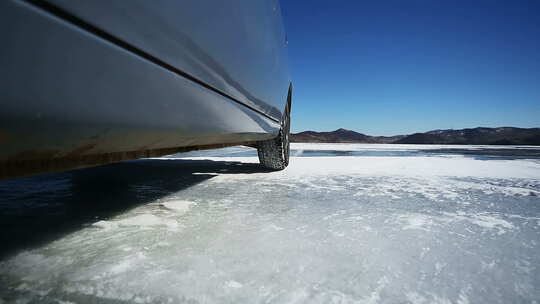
(37, 210)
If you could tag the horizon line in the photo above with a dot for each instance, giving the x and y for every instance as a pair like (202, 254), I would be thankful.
(450, 129)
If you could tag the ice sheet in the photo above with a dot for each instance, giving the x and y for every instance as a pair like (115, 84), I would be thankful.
(325, 230)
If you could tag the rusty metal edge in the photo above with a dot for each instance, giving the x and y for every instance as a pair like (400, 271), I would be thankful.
(23, 168)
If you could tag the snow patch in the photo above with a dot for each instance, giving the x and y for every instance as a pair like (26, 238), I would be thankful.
(147, 220)
(178, 206)
(416, 221)
(128, 263)
(105, 224)
(484, 220)
(418, 167)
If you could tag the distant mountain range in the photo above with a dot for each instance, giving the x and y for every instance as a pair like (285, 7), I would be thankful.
(474, 136)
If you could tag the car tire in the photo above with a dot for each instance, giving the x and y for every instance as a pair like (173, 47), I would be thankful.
(274, 153)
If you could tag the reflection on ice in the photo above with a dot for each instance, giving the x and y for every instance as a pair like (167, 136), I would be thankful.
(418, 229)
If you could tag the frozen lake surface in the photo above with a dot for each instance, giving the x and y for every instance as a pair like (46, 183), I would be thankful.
(350, 224)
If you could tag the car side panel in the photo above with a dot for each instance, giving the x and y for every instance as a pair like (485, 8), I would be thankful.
(238, 47)
(65, 92)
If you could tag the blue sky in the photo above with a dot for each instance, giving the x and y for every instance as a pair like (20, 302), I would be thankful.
(397, 67)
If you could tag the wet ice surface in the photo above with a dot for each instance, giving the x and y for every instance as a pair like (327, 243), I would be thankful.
(342, 229)
(345, 149)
